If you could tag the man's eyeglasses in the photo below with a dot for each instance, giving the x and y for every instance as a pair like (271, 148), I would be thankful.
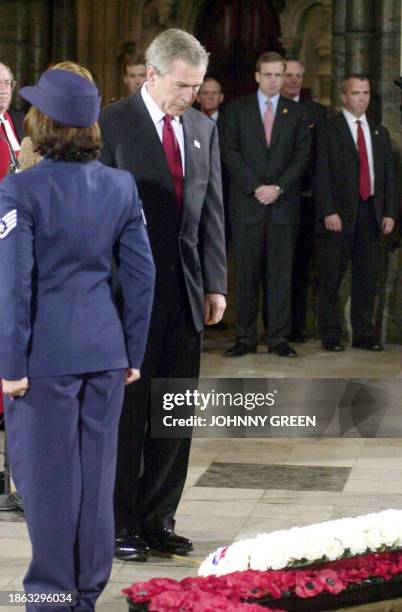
(8, 83)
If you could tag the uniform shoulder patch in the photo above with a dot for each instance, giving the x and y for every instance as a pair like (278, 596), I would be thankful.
(8, 222)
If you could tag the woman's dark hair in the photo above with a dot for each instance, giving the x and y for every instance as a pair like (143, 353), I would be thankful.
(62, 142)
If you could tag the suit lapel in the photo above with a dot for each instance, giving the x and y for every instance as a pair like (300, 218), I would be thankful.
(144, 132)
(343, 127)
(376, 144)
(142, 123)
(254, 116)
(192, 154)
(280, 120)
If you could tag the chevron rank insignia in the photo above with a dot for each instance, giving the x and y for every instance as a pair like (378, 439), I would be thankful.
(8, 223)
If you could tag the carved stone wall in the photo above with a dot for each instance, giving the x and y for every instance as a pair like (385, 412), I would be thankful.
(306, 34)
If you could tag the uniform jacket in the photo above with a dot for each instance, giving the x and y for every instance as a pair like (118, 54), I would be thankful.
(192, 240)
(337, 174)
(251, 163)
(60, 224)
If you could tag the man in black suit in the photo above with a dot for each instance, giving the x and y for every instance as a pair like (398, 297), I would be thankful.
(173, 153)
(266, 147)
(316, 113)
(356, 200)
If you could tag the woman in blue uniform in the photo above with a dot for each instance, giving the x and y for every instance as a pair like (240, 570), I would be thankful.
(64, 352)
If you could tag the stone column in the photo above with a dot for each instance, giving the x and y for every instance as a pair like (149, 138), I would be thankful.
(338, 49)
(14, 19)
(64, 31)
(360, 24)
(39, 39)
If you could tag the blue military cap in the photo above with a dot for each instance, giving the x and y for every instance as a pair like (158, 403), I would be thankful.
(66, 97)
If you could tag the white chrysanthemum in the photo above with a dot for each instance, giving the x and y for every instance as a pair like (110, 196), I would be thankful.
(330, 540)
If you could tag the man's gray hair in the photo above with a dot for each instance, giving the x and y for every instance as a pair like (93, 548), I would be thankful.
(175, 44)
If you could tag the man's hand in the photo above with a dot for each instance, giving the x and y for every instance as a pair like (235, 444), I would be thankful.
(333, 223)
(266, 194)
(131, 376)
(214, 307)
(388, 225)
(15, 388)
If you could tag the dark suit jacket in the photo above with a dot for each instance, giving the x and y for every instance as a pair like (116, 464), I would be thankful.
(337, 174)
(251, 163)
(60, 223)
(18, 121)
(193, 239)
(316, 113)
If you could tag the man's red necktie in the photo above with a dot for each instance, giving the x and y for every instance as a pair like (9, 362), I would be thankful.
(365, 183)
(173, 157)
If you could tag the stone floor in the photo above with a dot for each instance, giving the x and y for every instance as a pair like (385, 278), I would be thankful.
(221, 503)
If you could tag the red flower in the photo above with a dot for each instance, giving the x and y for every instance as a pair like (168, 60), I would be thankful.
(307, 585)
(331, 582)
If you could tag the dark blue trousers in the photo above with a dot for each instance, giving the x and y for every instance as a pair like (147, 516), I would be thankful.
(62, 441)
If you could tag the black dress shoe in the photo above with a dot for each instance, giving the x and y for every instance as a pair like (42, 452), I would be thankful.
(296, 337)
(283, 350)
(130, 546)
(333, 345)
(368, 345)
(166, 541)
(239, 349)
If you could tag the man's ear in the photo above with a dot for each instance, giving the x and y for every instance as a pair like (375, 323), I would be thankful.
(151, 74)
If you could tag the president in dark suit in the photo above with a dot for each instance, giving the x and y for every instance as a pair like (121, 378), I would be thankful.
(172, 151)
(356, 200)
(315, 114)
(266, 147)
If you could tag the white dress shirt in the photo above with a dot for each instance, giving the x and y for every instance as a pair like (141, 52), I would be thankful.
(10, 134)
(351, 120)
(157, 117)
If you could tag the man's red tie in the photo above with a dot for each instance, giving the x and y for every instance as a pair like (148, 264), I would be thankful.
(365, 183)
(173, 157)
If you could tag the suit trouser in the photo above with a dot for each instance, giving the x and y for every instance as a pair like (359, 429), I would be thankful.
(362, 248)
(151, 472)
(62, 439)
(301, 269)
(263, 250)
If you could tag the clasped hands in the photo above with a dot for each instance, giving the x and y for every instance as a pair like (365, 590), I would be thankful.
(18, 388)
(266, 194)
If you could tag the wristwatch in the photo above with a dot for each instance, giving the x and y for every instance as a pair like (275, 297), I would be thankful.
(279, 190)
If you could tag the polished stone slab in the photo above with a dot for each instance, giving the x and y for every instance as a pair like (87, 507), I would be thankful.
(290, 477)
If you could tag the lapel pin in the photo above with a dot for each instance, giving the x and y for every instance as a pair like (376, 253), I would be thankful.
(285, 110)
(311, 126)
(376, 132)
(197, 144)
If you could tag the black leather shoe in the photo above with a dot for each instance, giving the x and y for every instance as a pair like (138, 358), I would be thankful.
(166, 541)
(239, 349)
(368, 345)
(333, 345)
(296, 337)
(283, 350)
(131, 547)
